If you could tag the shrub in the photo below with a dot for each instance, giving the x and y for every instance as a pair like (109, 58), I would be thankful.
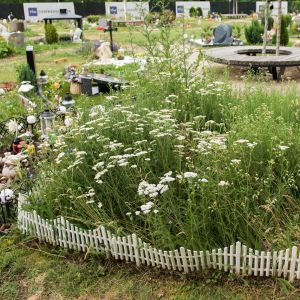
(193, 12)
(270, 22)
(199, 12)
(26, 74)
(93, 18)
(253, 33)
(51, 35)
(6, 49)
(284, 35)
(167, 18)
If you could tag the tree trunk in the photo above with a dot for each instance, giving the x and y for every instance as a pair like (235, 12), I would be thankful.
(278, 29)
(236, 6)
(266, 27)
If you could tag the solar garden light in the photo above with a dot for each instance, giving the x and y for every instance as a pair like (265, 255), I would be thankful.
(31, 120)
(47, 119)
(68, 101)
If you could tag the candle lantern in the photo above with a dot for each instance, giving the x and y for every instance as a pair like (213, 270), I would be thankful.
(47, 122)
(68, 101)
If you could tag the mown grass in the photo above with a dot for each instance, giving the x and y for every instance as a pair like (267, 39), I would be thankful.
(32, 269)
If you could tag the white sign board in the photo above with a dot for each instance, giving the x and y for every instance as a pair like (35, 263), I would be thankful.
(132, 9)
(260, 6)
(38, 11)
(183, 7)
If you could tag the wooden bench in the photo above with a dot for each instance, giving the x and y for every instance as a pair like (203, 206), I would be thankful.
(250, 56)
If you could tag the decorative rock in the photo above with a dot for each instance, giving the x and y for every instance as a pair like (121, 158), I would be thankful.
(103, 52)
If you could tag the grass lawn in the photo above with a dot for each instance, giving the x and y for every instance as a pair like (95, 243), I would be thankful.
(31, 270)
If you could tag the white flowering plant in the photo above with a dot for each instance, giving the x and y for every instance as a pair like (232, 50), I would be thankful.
(181, 160)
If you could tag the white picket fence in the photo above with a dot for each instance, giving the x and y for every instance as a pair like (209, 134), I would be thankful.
(237, 258)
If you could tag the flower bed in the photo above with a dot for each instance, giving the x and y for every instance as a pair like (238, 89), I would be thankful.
(195, 167)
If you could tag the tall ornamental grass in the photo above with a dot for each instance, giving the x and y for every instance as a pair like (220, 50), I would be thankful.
(181, 160)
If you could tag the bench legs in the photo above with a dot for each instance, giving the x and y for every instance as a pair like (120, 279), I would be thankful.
(277, 74)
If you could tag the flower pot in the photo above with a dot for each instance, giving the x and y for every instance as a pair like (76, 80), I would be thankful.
(75, 88)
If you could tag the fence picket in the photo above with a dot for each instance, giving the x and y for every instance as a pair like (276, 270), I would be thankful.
(120, 248)
(280, 262)
(238, 257)
(179, 266)
(208, 261)
(225, 255)
(171, 254)
(214, 258)
(202, 260)
(147, 258)
(104, 237)
(161, 259)
(130, 248)
(220, 259)
(63, 229)
(293, 264)
(184, 260)
(196, 257)
(231, 251)
(274, 263)
(268, 263)
(191, 261)
(157, 262)
(244, 262)
(114, 248)
(167, 258)
(150, 249)
(256, 255)
(125, 244)
(286, 263)
(250, 260)
(262, 263)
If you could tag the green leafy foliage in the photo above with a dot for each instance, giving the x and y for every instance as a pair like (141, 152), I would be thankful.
(199, 12)
(6, 49)
(284, 36)
(26, 74)
(253, 33)
(193, 12)
(270, 22)
(51, 35)
(93, 18)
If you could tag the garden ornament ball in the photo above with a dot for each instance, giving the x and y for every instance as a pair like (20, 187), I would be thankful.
(31, 120)
(62, 110)
(6, 196)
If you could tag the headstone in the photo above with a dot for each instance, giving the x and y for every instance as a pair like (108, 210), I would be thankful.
(77, 36)
(16, 38)
(297, 20)
(16, 26)
(103, 23)
(222, 35)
